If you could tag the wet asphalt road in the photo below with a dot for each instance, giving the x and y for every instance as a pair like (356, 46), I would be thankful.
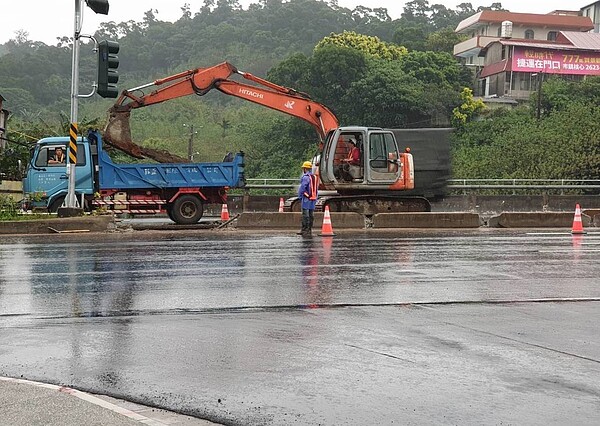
(452, 327)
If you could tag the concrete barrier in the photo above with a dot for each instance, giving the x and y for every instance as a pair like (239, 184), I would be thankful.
(426, 220)
(255, 220)
(42, 226)
(536, 220)
(594, 215)
(12, 188)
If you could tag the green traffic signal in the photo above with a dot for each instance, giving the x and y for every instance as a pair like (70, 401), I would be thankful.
(108, 62)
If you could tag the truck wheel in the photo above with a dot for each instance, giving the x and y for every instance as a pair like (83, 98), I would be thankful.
(169, 210)
(56, 204)
(187, 209)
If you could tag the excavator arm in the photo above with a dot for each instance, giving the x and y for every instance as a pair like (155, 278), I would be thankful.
(200, 81)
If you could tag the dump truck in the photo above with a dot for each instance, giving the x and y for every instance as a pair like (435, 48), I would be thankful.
(181, 190)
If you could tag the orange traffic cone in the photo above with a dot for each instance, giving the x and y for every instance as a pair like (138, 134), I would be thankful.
(281, 205)
(326, 229)
(224, 213)
(577, 225)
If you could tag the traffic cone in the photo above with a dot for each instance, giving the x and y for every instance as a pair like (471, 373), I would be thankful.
(224, 213)
(326, 229)
(577, 225)
(281, 205)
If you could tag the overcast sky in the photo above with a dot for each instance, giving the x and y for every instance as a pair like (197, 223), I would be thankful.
(45, 20)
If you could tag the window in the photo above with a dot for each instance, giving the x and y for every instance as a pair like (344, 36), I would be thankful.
(48, 155)
(552, 35)
(381, 148)
(529, 34)
(500, 31)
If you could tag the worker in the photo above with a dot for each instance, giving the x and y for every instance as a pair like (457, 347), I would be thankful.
(353, 155)
(350, 167)
(308, 193)
(59, 156)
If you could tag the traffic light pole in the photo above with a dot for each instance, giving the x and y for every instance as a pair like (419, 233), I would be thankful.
(71, 199)
(71, 206)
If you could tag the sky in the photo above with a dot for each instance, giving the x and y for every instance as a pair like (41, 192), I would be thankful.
(46, 20)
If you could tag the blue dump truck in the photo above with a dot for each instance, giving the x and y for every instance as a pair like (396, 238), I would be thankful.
(179, 189)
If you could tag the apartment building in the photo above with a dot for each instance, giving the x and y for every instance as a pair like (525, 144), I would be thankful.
(514, 68)
(486, 27)
(592, 11)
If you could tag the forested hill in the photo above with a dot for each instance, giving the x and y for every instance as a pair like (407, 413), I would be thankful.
(254, 39)
(375, 71)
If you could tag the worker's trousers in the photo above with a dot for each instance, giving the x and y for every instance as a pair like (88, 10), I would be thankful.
(308, 218)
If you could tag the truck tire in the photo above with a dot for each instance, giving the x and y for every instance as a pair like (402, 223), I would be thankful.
(187, 209)
(56, 204)
(169, 210)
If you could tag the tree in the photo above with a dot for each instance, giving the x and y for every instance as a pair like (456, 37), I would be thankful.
(468, 110)
(417, 12)
(442, 17)
(385, 97)
(432, 67)
(412, 36)
(368, 45)
(333, 69)
(443, 40)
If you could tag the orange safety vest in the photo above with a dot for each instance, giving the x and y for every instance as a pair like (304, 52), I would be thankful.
(312, 187)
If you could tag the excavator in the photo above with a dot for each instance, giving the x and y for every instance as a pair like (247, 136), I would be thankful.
(378, 184)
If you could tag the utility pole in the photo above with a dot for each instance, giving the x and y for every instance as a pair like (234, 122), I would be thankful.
(190, 150)
(539, 99)
(191, 144)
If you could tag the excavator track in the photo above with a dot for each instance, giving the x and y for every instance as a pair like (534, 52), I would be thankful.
(366, 205)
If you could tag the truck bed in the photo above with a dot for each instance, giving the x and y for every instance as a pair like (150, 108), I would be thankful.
(165, 176)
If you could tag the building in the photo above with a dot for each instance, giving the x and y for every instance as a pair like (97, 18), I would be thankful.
(514, 68)
(592, 11)
(487, 27)
(3, 120)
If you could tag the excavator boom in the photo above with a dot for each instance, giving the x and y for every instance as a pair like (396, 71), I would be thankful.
(200, 81)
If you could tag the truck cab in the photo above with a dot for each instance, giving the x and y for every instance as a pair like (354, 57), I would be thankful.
(46, 180)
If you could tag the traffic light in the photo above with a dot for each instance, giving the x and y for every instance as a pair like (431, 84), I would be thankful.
(108, 62)
(98, 6)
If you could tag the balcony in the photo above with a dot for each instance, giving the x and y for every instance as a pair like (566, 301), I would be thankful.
(473, 46)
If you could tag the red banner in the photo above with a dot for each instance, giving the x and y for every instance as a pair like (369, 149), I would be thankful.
(552, 61)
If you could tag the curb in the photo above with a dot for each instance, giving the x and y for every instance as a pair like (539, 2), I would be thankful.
(88, 398)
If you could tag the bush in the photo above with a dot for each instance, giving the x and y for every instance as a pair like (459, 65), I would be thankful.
(8, 207)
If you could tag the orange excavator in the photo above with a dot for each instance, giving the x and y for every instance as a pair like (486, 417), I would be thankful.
(378, 183)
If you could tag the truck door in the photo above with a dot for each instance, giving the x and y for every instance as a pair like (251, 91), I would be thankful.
(48, 174)
(382, 158)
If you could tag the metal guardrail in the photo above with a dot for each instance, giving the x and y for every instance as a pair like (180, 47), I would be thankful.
(459, 184)
(523, 184)
(272, 183)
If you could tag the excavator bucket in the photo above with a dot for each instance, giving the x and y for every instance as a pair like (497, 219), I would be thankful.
(117, 134)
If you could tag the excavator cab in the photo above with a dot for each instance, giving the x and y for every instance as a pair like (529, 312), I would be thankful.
(383, 166)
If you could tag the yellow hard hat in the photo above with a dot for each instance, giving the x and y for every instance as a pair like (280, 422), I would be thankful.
(307, 165)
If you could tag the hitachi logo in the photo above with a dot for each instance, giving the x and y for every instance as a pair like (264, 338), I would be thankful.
(289, 104)
(251, 93)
